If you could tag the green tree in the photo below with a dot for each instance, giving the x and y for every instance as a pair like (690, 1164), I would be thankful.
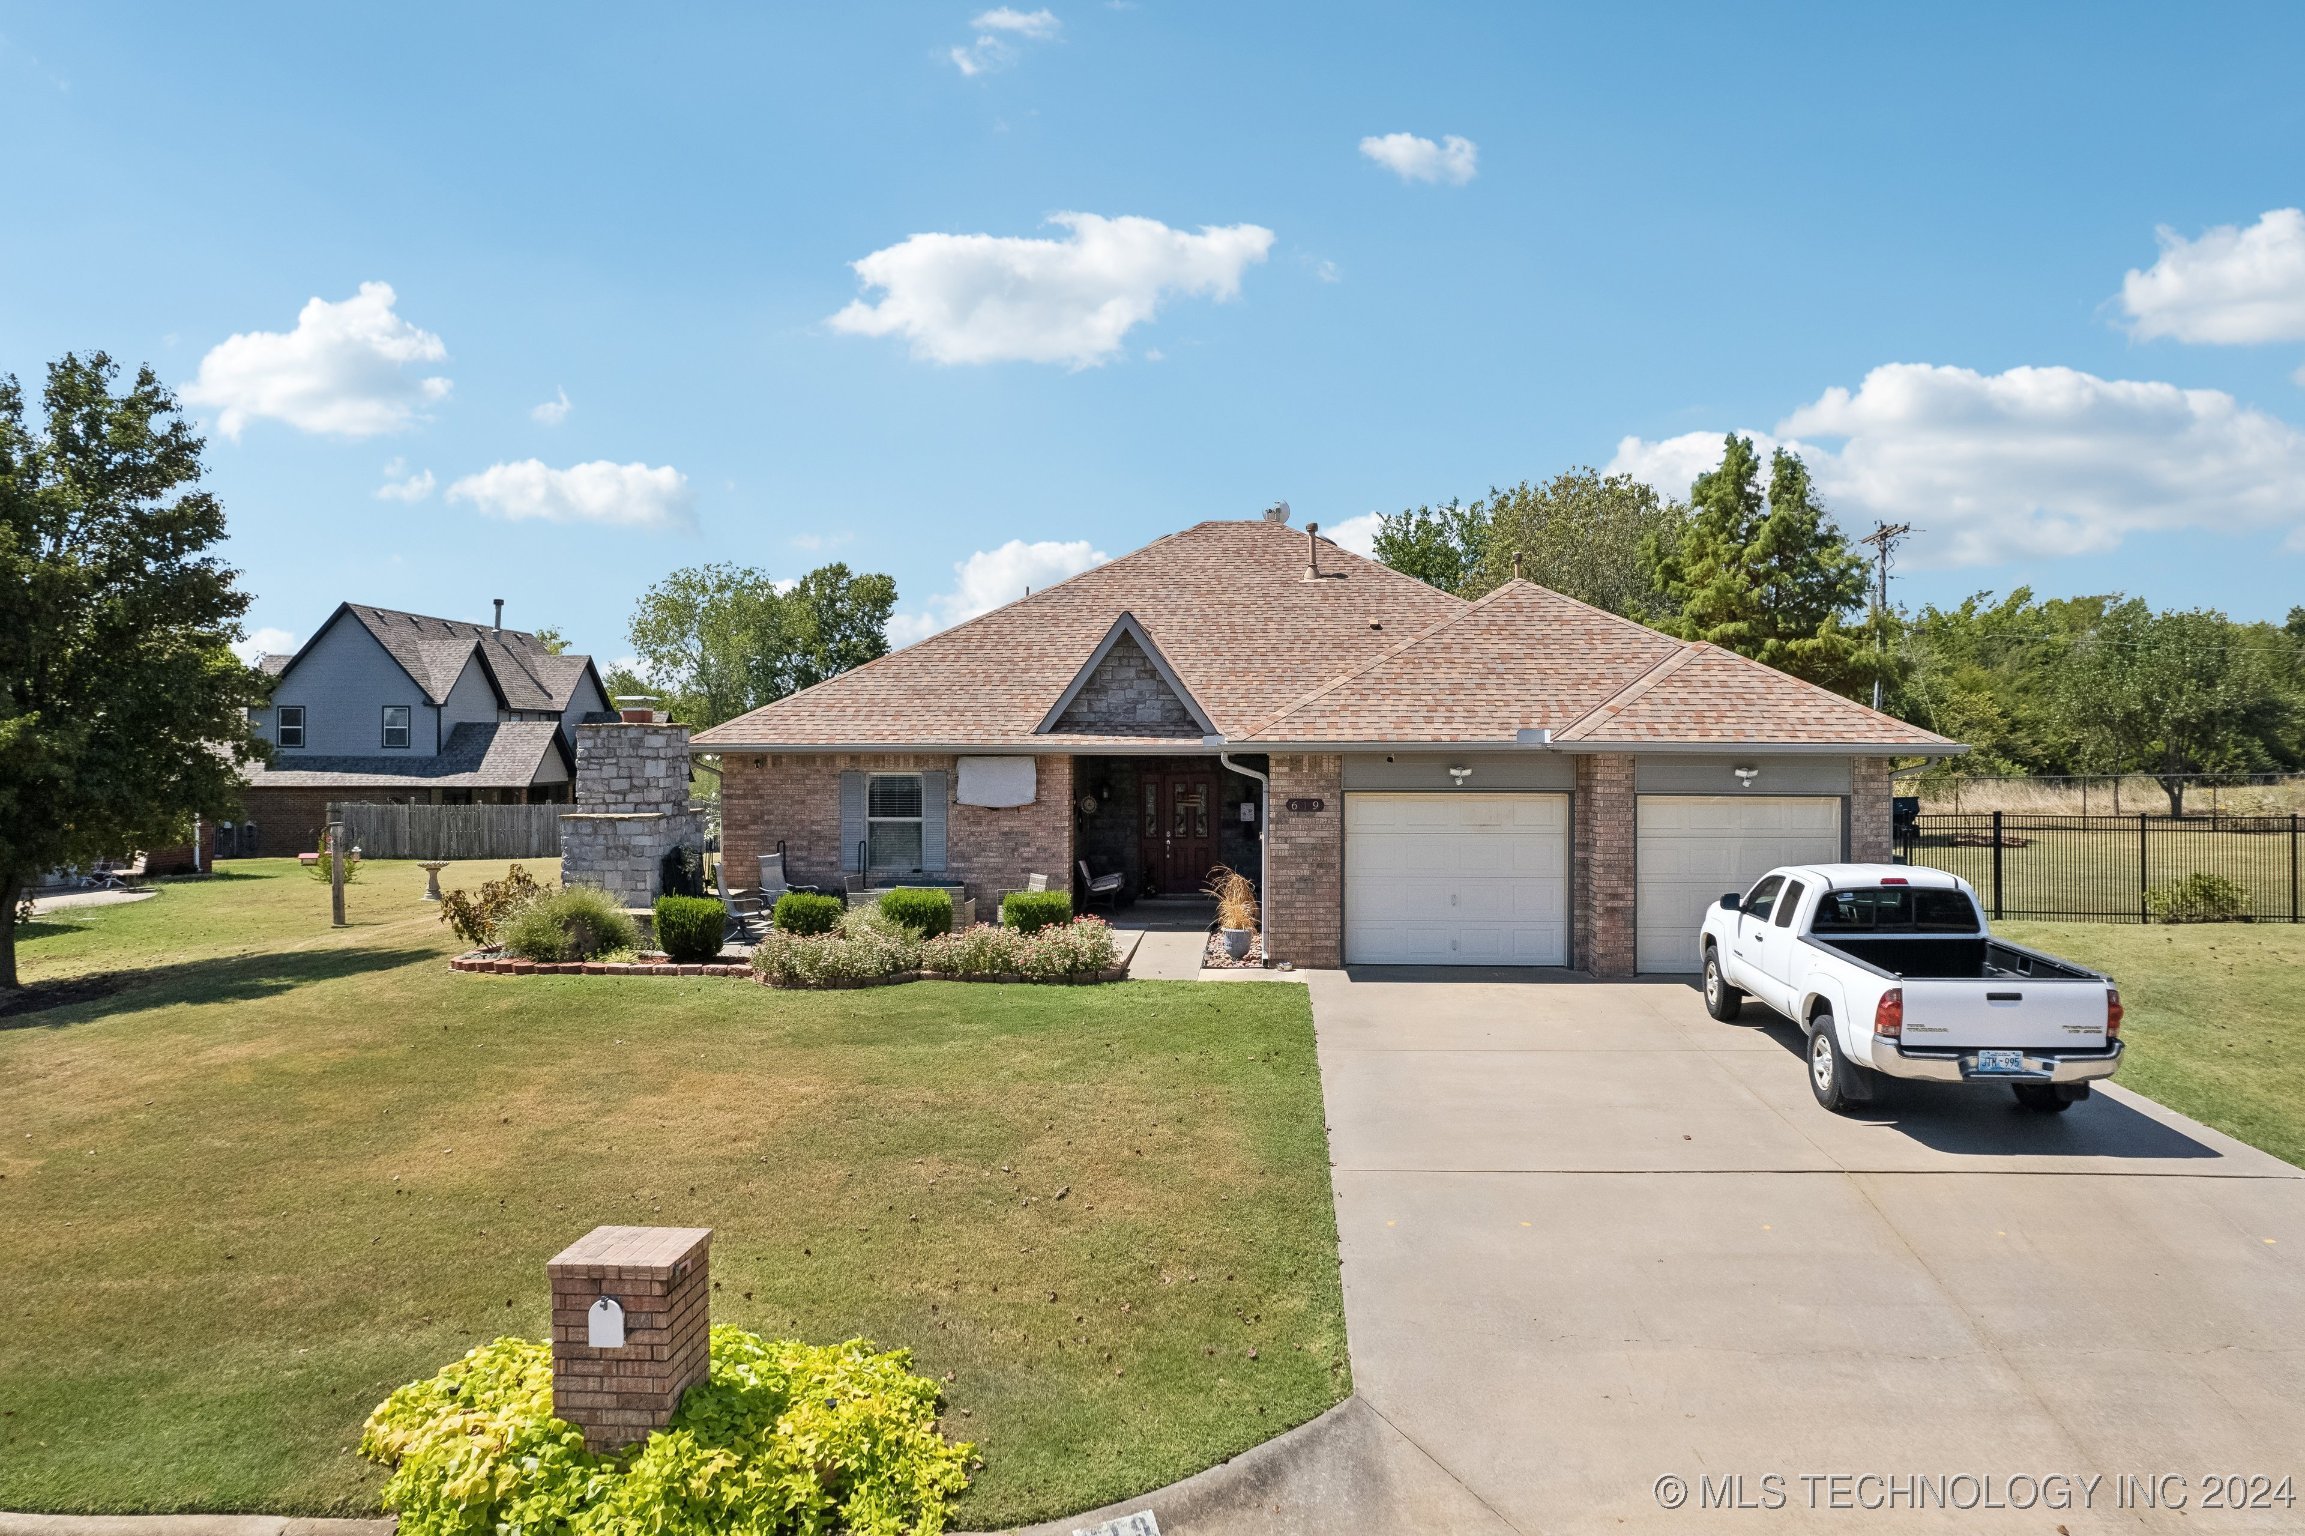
(1773, 580)
(123, 712)
(552, 640)
(1582, 534)
(1440, 546)
(717, 640)
(2171, 694)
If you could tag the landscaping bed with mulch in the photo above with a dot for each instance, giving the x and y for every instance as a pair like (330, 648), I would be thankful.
(1215, 957)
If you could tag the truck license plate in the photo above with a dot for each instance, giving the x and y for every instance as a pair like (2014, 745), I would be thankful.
(2000, 1061)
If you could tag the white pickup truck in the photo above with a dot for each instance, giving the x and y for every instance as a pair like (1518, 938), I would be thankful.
(1890, 970)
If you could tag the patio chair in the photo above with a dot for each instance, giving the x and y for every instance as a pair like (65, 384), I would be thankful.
(745, 919)
(773, 882)
(1107, 886)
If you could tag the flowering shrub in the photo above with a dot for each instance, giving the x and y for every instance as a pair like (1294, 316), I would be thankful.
(784, 1437)
(858, 952)
(1077, 948)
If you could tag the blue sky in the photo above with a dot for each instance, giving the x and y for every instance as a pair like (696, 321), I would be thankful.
(1663, 223)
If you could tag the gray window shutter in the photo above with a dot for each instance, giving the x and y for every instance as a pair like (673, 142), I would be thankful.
(851, 820)
(934, 793)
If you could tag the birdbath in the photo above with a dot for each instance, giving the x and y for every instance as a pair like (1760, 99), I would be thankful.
(432, 869)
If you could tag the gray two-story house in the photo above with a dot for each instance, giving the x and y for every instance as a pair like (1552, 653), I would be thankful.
(393, 707)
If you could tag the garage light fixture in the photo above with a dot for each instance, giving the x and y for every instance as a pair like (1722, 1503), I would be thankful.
(1460, 775)
(1746, 776)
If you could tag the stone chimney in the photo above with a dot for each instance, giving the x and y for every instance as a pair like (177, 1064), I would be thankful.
(631, 808)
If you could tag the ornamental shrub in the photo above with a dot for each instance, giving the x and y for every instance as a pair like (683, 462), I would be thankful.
(2198, 898)
(867, 952)
(576, 922)
(927, 913)
(783, 1437)
(1081, 947)
(689, 929)
(807, 912)
(981, 950)
(1031, 911)
(477, 916)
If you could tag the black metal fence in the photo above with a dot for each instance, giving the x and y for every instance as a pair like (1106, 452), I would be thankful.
(2098, 868)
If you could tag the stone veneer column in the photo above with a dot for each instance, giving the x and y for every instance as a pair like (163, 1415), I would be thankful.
(1304, 909)
(1602, 915)
(631, 808)
(1872, 834)
(661, 1278)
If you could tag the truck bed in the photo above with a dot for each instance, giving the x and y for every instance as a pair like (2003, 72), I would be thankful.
(1952, 957)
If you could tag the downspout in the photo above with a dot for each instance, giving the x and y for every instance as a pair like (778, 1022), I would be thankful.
(1264, 839)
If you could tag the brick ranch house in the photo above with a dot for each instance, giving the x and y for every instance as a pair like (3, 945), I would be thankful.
(1415, 779)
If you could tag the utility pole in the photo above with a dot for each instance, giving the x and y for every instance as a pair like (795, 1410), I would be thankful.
(1883, 541)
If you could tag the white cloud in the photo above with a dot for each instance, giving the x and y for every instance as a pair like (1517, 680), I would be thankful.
(991, 577)
(999, 298)
(399, 485)
(1358, 534)
(2034, 461)
(993, 47)
(626, 495)
(265, 642)
(552, 412)
(2232, 286)
(1453, 160)
(343, 371)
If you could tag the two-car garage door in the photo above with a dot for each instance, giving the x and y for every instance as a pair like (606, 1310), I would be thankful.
(1456, 879)
(1695, 847)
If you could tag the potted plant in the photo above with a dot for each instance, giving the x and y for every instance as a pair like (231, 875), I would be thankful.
(1236, 899)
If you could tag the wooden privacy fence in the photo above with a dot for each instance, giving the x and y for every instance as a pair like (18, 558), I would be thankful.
(451, 831)
(2098, 868)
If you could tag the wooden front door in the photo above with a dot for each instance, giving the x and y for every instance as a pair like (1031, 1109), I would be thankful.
(1177, 826)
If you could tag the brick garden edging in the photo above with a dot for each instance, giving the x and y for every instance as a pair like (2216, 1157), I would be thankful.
(479, 963)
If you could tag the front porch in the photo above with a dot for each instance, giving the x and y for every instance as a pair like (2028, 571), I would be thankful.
(1164, 822)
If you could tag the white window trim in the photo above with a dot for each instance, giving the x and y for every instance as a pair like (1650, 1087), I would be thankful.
(408, 729)
(280, 723)
(919, 821)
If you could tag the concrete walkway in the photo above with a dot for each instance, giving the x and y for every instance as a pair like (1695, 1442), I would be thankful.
(57, 901)
(1593, 1239)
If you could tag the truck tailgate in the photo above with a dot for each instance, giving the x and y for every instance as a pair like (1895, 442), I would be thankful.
(2033, 1013)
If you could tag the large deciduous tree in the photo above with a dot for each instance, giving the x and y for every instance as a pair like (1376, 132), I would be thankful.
(1581, 533)
(123, 712)
(1773, 580)
(1440, 546)
(717, 640)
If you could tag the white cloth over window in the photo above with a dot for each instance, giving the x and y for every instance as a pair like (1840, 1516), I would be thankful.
(996, 781)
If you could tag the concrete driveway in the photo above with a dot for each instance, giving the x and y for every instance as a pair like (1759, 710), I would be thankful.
(1592, 1239)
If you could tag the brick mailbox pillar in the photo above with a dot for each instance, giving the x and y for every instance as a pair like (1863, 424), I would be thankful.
(618, 1370)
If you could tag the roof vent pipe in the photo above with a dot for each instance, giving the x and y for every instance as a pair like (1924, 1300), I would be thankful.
(500, 618)
(1312, 551)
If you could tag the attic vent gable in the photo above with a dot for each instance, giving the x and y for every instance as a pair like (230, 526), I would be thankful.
(1127, 688)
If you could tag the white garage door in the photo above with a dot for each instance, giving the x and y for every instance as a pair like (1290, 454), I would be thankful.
(1695, 847)
(1456, 879)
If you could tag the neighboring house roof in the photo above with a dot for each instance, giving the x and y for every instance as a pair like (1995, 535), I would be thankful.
(1272, 657)
(505, 754)
(273, 663)
(434, 652)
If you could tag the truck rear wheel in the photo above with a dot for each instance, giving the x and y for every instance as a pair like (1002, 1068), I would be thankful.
(2049, 1098)
(1838, 1083)
(1722, 1001)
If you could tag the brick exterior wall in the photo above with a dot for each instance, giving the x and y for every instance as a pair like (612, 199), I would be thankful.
(1305, 909)
(1602, 889)
(1127, 696)
(795, 797)
(661, 1276)
(288, 821)
(1871, 835)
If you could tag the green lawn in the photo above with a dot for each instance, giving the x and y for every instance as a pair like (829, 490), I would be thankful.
(2212, 1021)
(2097, 873)
(282, 1169)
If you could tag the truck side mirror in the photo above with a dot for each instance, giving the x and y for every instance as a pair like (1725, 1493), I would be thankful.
(1729, 903)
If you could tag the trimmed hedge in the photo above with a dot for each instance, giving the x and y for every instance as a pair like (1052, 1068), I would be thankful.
(808, 912)
(689, 929)
(1031, 911)
(927, 913)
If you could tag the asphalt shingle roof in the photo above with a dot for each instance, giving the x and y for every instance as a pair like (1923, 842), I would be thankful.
(477, 755)
(434, 652)
(1360, 654)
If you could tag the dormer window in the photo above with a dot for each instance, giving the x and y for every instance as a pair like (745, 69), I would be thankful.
(396, 725)
(289, 732)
